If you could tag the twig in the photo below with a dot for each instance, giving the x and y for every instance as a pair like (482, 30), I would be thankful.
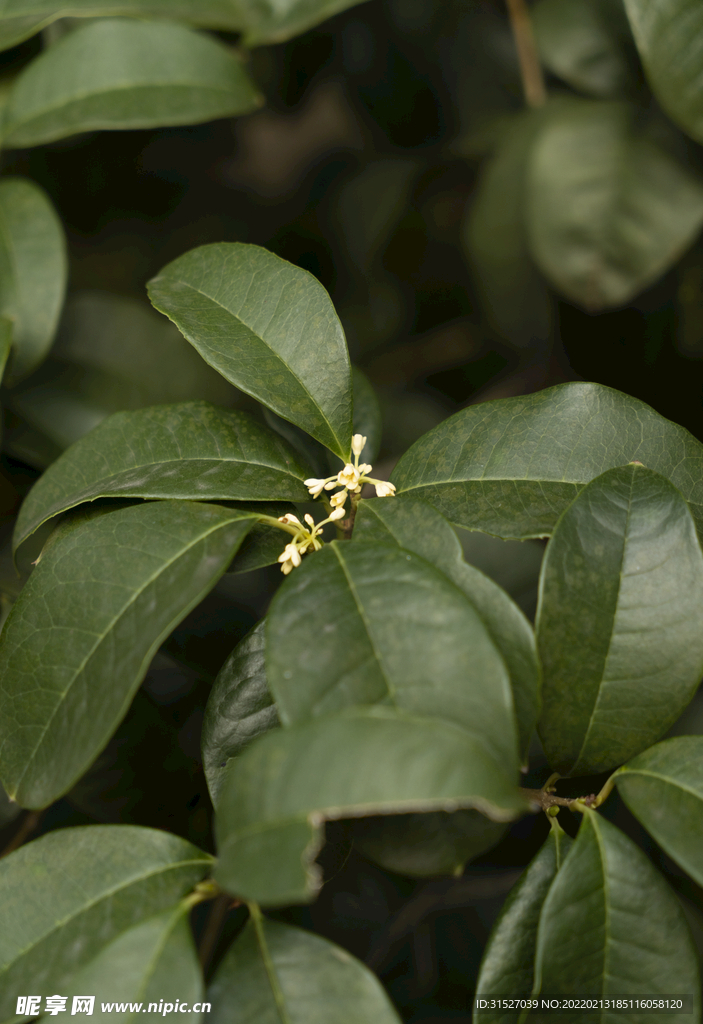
(217, 913)
(29, 824)
(530, 66)
(348, 524)
(544, 799)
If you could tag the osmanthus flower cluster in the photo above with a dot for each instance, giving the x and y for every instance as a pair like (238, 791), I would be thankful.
(350, 479)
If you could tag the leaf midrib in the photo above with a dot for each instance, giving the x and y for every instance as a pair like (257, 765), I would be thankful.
(603, 682)
(362, 615)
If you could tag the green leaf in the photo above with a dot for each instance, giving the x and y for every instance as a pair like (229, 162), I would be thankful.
(418, 527)
(277, 794)
(510, 467)
(80, 636)
(33, 271)
(669, 37)
(507, 968)
(118, 73)
(153, 959)
(513, 291)
(609, 207)
(374, 624)
(269, 328)
(275, 974)
(192, 450)
(584, 42)
(663, 787)
(20, 19)
(610, 926)
(239, 708)
(426, 845)
(112, 877)
(618, 625)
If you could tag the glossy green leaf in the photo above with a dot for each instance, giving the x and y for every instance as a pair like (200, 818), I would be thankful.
(513, 291)
(426, 845)
(669, 37)
(281, 975)
(191, 450)
(584, 42)
(507, 968)
(153, 962)
(510, 467)
(33, 271)
(269, 328)
(609, 207)
(20, 19)
(663, 787)
(239, 708)
(619, 621)
(418, 527)
(610, 926)
(374, 624)
(112, 877)
(119, 73)
(80, 636)
(277, 794)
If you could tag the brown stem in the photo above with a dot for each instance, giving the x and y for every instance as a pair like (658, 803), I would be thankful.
(543, 799)
(530, 66)
(219, 909)
(348, 524)
(29, 824)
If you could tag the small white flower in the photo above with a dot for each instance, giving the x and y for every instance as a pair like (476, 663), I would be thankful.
(364, 468)
(309, 519)
(338, 513)
(290, 554)
(314, 486)
(338, 499)
(349, 476)
(384, 489)
(358, 443)
(286, 568)
(289, 518)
